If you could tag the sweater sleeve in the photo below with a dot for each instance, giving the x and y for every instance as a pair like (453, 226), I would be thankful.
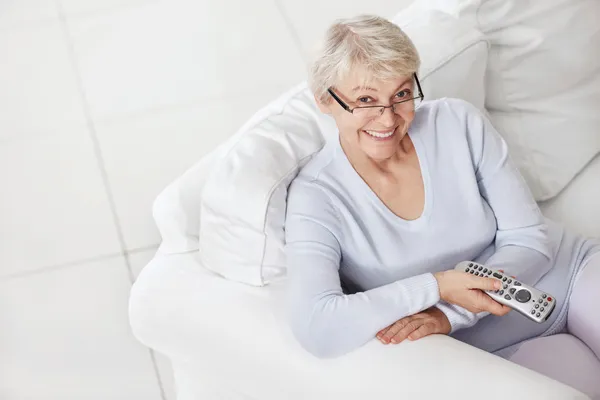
(521, 244)
(324, 320)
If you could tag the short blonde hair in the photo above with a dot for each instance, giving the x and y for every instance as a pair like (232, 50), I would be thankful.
(369, 42)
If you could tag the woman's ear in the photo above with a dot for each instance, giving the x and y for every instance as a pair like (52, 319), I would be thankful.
(325, 109)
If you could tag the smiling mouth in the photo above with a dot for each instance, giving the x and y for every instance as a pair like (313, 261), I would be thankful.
(380, 135)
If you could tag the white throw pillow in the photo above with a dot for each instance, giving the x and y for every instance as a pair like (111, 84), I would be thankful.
(243, 205)
(543, 82)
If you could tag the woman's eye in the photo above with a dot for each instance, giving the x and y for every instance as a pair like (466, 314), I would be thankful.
(403, 93)
(364, 99)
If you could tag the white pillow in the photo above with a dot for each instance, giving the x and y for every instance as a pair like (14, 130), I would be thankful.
(244, 200)
(543, 82)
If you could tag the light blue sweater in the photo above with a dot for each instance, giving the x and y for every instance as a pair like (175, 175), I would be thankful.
(354, 267)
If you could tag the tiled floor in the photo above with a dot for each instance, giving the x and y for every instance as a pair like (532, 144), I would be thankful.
(104, 102)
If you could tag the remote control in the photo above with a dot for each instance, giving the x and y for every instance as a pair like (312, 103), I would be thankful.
(529, 301)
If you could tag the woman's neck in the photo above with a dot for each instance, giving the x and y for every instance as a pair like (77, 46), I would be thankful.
(362, 162)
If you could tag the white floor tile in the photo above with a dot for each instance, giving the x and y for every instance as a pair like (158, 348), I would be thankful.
(39, 94)
(73, 8)
(53, 206)
(144, 154)
(178, 52)
(311, 18)
(17, 12)
(65, 335)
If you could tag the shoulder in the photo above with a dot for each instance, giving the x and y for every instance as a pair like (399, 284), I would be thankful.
(452, 121)
(314, 178)
(447, 109)
(310, 195)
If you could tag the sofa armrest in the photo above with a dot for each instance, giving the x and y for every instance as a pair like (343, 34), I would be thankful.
(577, 207)
(225, 332)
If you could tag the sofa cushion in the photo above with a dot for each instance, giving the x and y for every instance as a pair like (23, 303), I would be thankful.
(543, 82)
(244, 200)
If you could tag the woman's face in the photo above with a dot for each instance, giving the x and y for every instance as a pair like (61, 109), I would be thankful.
(371, 134)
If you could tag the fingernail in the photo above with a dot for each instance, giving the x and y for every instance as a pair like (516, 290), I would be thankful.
(497, 285)
(394, 341)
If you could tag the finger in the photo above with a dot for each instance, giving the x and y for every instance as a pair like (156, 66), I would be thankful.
(505, 310)
(394, 328)
(409, 328)
(424, 330)
(477, 282)
(382, 332)
(399, 325)
(486, 303)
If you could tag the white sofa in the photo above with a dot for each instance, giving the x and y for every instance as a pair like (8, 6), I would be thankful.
(226, 340)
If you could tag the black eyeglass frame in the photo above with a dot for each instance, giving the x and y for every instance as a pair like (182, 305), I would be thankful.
(350, 110)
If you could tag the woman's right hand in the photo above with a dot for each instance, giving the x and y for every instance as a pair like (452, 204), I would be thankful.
(465, 290)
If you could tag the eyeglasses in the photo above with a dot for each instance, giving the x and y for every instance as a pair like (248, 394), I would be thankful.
(376, 111)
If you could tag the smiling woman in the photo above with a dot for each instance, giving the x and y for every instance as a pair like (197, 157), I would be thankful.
(406, 191)
(368, 66)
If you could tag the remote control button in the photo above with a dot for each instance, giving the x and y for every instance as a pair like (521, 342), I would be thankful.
(538, 314)
(512, 290)
(481, 268)
(540, 300)
(504, 279)
(545, 303)
(470, 264)
(537, 306)
(505, 286)
(542, 309)
(489, 272)
(485, 270)
(517, 283)
(544, 295)
(549, 298)
(510, 281)
(533, 311)
(497, 275)
(467, 270)
(502, 292)
(476, 273)
(507, 297)
(523, 296)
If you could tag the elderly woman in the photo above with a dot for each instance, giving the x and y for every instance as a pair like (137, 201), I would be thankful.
(377, 220)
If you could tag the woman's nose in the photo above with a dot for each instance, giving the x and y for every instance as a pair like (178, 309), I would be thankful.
(388, 118)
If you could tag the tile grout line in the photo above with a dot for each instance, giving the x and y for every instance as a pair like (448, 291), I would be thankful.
(93, 136)
(161, 386)
(291, 29)
(50, 268)
(101, 166)
(56, 267)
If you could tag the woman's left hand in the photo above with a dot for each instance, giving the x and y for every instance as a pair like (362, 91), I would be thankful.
(416, 326)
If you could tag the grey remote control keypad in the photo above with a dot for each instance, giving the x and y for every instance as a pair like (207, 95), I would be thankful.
(529, 301)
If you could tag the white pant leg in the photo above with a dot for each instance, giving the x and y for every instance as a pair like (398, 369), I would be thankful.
(583, 319)
(555, 355)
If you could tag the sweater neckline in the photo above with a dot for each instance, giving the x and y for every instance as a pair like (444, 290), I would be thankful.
(377, 202)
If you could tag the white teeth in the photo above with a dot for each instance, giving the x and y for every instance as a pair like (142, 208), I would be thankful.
(379, 134)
